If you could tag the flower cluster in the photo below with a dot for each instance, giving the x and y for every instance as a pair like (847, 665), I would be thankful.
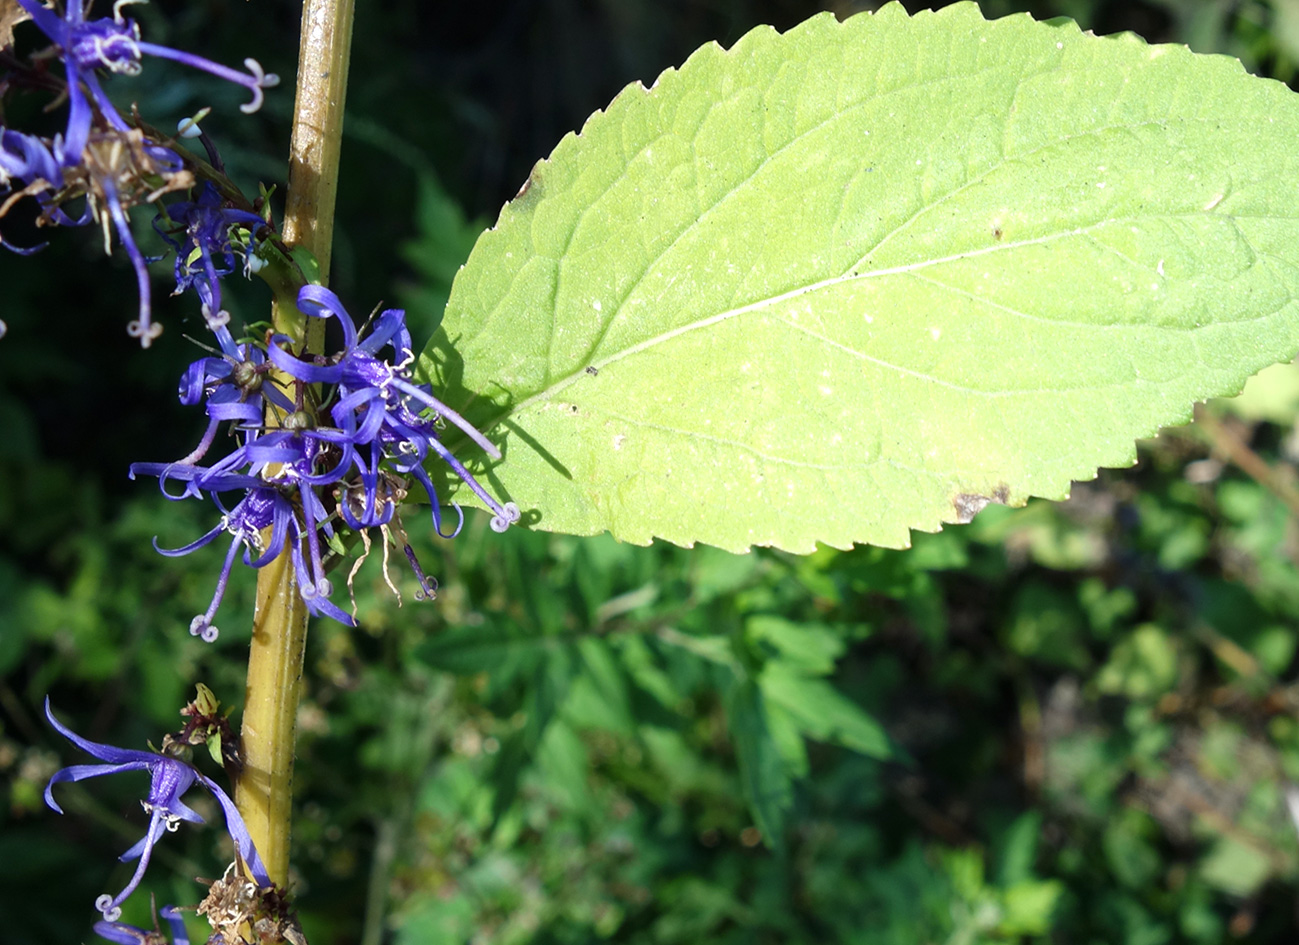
(111, 163)
(170, 778)
(304, 478)
(322, 445)
(304, 468)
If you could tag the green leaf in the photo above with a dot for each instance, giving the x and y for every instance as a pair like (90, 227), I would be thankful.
(869, 276)
(1029, 905)
(499, 651)
(1142, 666)
(600, 669)
(809, 648)
(1019, 849)
(823, 712)
(214, 748)
(763, 775)
(1235, 868)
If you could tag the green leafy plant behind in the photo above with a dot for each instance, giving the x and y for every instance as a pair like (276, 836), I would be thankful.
(869, 276)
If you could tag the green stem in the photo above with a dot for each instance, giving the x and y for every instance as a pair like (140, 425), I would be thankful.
(264, 791)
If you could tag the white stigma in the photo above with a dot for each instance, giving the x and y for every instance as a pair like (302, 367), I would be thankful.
(105, 905)
(188, 127)
(261, 80)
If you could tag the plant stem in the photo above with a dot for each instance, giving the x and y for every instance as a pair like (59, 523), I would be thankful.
(264, 791)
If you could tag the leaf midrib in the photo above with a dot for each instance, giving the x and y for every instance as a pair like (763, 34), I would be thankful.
(848, 277)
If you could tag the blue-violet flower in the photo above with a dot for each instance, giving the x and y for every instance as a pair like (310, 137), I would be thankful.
(265, 504)
(115, 45)
(234, 386)
(206, 236)
(171, 778)
(381, 412)
(110, 162)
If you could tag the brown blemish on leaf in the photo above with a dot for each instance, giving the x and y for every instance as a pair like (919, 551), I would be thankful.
(526, 199)
(531, 190)
(970, 504)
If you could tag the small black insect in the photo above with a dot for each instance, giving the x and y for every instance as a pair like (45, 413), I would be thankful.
(592, 370)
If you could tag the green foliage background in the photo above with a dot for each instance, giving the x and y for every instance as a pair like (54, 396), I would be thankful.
(1067, 723)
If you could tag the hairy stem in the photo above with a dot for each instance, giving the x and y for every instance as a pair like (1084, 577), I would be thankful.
(264, 791)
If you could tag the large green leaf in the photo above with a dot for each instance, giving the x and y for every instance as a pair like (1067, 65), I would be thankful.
(866, 277)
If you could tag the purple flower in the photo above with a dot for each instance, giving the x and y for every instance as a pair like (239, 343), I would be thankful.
(206, 240)
(27, 160)
(234, 386)
(114, 45)
(118, 165)
(133, 935)
(109, 161)
(381, 413)
(119, 170)
(287, 459)
(265, 504)
(385, 428)
(261, 507)
(171, 778)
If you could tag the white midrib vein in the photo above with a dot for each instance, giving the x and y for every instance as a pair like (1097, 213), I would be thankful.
(761, 304)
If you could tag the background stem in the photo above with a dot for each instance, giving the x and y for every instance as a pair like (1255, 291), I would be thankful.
(264, 791)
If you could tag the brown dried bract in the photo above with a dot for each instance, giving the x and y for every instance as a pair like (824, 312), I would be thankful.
(242, 913)
(11, 14)
(117, 164)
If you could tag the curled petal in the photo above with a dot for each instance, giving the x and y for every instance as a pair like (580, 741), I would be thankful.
(110, 912)
(255, 80)
(508, 515)
(419, 473)
(319, 302)
(201, 626)
(428, 586)
(294, 367)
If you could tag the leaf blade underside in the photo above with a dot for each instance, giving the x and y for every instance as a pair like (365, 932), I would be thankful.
(865, 277)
